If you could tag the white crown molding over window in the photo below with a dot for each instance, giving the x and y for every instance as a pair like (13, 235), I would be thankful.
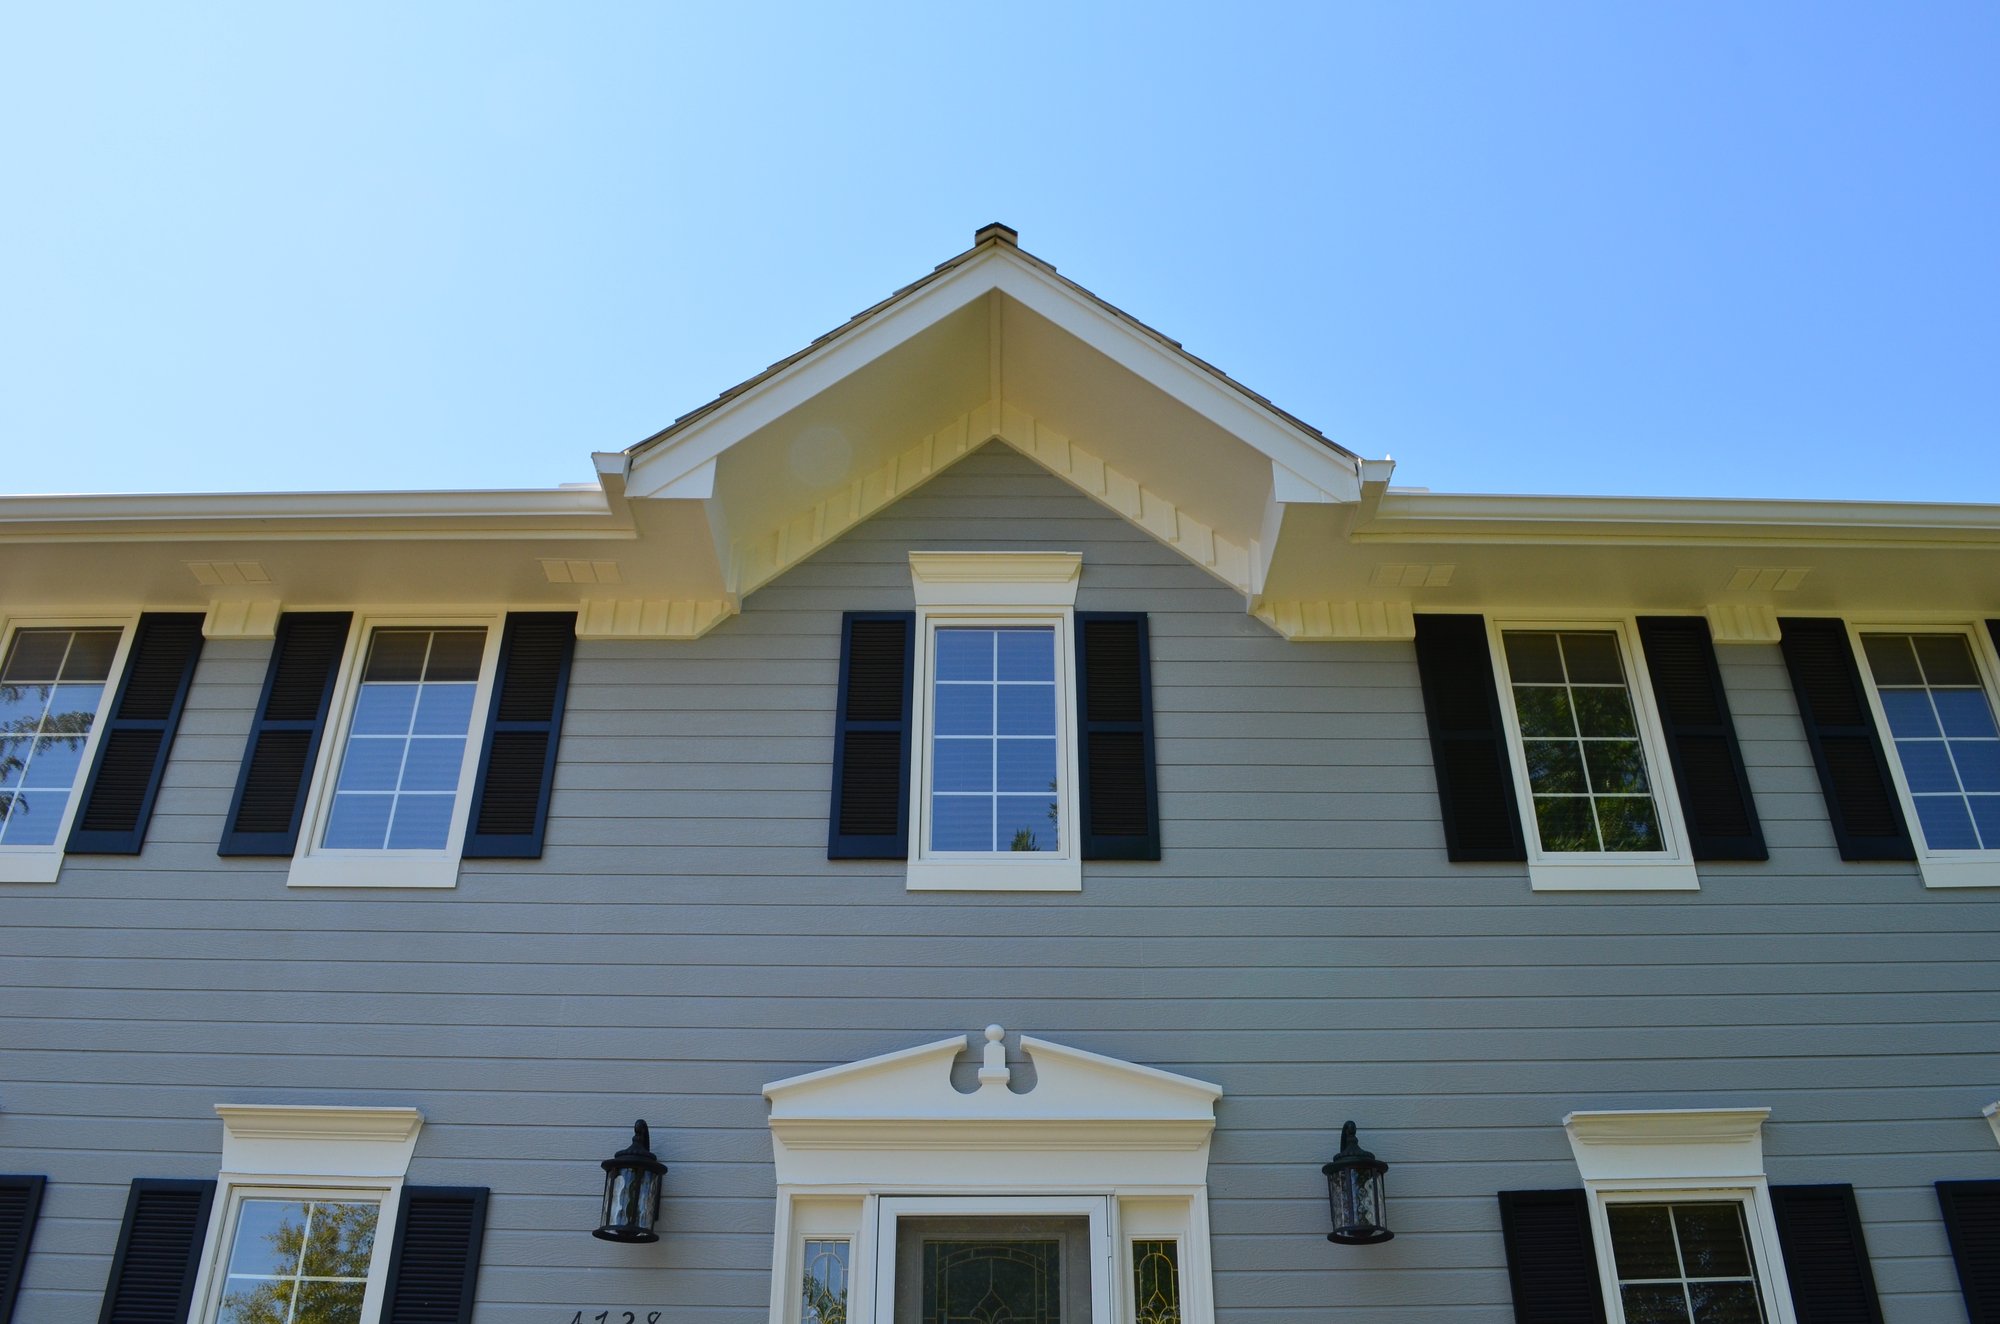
(299, 1140)
(996, 579)
(858, 1146)
(1992, 1114)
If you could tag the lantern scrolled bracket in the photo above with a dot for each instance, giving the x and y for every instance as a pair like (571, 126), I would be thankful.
(632, 1179)
(1354, 1190)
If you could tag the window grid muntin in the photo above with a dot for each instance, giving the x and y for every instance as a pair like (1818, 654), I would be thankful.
(1683, 1280)
(1985, 837)
(467, 685)
(92, 672)
(824, 1282)
(311, 1204)
(997, 738)
(1637, 738)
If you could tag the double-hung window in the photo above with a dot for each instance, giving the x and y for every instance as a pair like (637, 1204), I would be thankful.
(1932, 689)
(1685, 1261)
(1588, 758)
(305, 1256)
(994, 796)
(54, 683)
(391, 796)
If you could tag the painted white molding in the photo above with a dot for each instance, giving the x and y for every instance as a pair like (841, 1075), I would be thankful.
(305, 1140)
(1743, 625)
(242, 620)
(1090, 1121)
(1992, 1114)
(650, 618)
(1680, 1144)
(1338, 620)
(1046, 580)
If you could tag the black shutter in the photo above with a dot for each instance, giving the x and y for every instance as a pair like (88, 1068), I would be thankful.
(1551, 1258)
(1118, 805)
(138, 734)
(20, 1201)
(510, 801)
(434, 1262)
(285, 735)
(159, 1252)
(1826, 1258)
(870, 817)
(1475, 778)
(1971, 1212)
(1847, 749)
(1701, 739)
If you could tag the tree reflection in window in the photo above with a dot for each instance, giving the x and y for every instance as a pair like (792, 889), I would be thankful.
(50, 690)
(1156, 1282)
(299, 1262)
(825, 1286)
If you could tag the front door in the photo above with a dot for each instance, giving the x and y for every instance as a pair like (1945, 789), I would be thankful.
(993, 1270)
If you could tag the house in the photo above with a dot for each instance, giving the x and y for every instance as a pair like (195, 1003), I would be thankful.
(995, 796)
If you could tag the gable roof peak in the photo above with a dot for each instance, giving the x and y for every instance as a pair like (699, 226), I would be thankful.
(998, 232)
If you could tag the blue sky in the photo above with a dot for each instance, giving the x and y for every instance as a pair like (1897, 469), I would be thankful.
(1701, 249)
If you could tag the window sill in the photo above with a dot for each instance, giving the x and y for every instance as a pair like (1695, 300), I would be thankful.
(30, 866)
(995, 876)
(366, 871)
(1981, 872)
(1600, 875)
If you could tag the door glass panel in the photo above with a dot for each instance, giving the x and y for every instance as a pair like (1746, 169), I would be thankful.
(1156, 1282)
(993, 1271)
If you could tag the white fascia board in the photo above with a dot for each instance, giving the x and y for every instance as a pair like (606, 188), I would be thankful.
(1483, 517)
(579, 512)
(705, 438)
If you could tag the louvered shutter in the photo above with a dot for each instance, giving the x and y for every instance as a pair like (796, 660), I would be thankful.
(1826, 1259)
(20, 1201)
(1701, 739)
(1475, 778)
(870, 813)
(1971, 1212)
(1551, 1257)
(434, 1262)
(138, 735)
(510, 800)
(1853, 773)
(159, 1252)
(1118, 805)
(285, 734)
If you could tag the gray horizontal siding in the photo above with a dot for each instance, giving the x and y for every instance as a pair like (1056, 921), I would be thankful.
(1304, 942)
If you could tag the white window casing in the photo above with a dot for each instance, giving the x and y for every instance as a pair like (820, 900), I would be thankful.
(307, 1153)
(1680, 1155)
(42, 862)
(317, 865)
(1670, 869)
(1991, 1112)
(995, 589)
(860, 1146)
(1939, 868)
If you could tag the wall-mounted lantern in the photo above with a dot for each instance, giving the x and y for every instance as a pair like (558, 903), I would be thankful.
(632, 1191)
(1354, 1187)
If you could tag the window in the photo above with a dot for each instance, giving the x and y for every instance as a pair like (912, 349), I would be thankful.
(1681, 1215)
(1156, 1282)
(994, 792)
(1686, 1263)
(1930, 691)
(391, 796)
(1589, 761)
(303, 1259)
(53, 685)
(824, 1285)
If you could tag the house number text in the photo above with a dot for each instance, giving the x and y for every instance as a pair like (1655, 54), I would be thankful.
(616, 1317)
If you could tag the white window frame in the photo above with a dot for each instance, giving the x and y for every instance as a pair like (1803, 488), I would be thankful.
(1671, 869)
(889, 1210)
(1939, 868)
(1680, 1156)
(314, 865)
(288, 1152)
(43, 864)
(995, 589)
